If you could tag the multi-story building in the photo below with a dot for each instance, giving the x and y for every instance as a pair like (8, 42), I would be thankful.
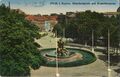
(45, 22)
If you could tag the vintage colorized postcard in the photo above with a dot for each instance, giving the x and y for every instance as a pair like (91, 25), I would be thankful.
(60, 38)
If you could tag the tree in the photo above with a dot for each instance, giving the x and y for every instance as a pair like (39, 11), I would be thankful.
(18, 51)
(81, 26)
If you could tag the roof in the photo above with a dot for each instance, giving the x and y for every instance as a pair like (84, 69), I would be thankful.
(41, 18)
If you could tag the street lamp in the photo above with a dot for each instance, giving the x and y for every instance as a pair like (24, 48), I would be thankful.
(64, 27)
(109, 69)
(92, 40)
(57, 67)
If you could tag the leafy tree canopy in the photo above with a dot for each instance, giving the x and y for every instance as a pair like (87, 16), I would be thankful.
(18, 50)
(81, 26)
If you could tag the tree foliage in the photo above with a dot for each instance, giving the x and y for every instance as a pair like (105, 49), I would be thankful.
(81, 26)
(18, 52)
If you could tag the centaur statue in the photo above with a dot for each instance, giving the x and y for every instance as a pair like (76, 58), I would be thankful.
(60, 49)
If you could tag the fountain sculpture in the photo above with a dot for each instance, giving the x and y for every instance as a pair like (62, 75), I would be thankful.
(67, 57)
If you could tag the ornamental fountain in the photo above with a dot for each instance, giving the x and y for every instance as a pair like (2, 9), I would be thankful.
(67, 57)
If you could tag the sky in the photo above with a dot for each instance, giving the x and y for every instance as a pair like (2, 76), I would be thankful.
(62, 6)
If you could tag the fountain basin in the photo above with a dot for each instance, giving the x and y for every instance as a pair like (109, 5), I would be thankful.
(77, 58)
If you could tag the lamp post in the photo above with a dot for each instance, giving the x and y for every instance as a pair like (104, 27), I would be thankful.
(57, 67)
(63, 32)
(109, 69)
(92, 40)
(64, 27)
